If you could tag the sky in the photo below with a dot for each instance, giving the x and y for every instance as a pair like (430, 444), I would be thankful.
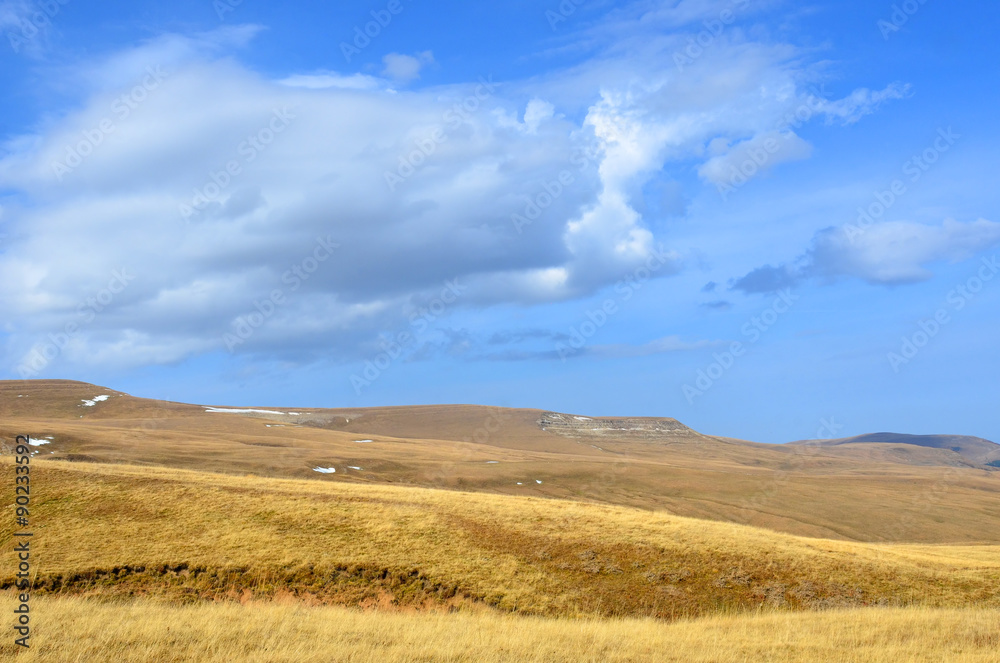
(770, 220)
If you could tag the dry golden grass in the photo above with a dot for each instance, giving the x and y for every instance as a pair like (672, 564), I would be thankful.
(119, 530)
(871, 494)
(153, 563)
(85, 630)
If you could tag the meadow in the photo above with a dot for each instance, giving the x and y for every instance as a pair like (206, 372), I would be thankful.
(140, 631)
(169, 532)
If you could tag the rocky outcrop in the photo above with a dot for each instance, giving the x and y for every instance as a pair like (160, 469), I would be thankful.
(621, 428)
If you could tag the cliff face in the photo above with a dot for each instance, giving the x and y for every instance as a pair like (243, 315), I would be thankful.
(621, 428)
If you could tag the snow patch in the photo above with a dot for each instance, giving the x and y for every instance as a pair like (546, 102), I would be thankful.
(363, 441)
(97, 399)
(237, 411)
(325, 470)
(537, 481)
(37, 442)
(351, 467)
(583, 418)
(492, 462)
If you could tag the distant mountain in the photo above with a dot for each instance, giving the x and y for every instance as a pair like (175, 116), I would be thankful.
(975, 449)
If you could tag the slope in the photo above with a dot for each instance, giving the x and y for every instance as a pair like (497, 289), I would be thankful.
(854, 492)
(112, 530)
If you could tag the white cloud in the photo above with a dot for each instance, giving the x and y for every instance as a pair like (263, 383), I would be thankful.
(405, 68)
(863, 102)
(889, 253)
(121, 70)
(324, 175)
(324, 80)
(755, 155)
(899, 251)
(538, 111)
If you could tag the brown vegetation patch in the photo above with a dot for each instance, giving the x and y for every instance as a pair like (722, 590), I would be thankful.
(345, 585)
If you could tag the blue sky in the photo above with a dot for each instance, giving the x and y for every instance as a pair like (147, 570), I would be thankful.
(631, 208)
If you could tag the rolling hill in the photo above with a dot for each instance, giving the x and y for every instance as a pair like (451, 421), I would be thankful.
(974, 449)
(168, 531)
(861, 492)
(124, 531)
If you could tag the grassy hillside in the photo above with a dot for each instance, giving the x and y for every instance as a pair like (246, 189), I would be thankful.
(122, 531)
(870, 493)
(463, 533)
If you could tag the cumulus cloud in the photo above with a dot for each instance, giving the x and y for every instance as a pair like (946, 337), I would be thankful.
(536, 113)
(890, 253)
(218, 187)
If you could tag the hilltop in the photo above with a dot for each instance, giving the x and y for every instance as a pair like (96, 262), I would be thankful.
(974, 449)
